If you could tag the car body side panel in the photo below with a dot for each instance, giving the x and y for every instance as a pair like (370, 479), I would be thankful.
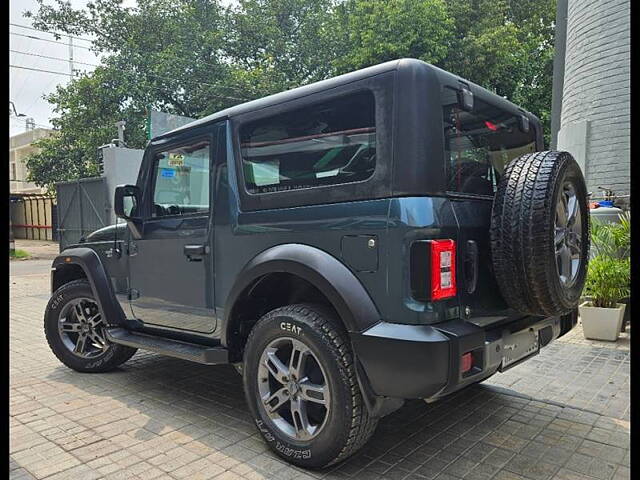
(241, 236)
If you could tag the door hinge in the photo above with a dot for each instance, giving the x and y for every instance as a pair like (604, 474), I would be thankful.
(132, 249)
(133, 294)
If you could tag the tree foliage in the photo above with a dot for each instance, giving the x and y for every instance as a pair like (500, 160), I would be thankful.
(194, 57)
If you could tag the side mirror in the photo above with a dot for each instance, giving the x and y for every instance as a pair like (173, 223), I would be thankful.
(126, 201)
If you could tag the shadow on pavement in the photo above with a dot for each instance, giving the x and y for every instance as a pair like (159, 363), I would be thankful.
(476, 433)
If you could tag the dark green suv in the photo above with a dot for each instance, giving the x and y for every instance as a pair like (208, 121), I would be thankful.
(387, 234)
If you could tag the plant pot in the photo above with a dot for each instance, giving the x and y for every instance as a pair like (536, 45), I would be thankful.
(601, 323)
(627, 314)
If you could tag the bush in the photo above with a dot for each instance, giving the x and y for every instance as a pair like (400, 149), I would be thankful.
(612, 239)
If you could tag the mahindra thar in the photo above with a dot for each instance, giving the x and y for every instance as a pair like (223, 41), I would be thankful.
(393, 233)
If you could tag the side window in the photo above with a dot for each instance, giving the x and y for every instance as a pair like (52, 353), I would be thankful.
(181, 181)
(332, 142)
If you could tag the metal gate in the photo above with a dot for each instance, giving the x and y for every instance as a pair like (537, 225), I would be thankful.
(33, 216)
(82, 208)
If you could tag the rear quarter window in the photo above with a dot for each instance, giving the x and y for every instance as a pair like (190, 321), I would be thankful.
(479, 144)
(327, 143)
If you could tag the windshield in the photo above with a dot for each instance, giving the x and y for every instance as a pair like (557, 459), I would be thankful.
(479, 144)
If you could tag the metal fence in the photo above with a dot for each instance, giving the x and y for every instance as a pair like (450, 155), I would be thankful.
(82, 208)
(33, 216)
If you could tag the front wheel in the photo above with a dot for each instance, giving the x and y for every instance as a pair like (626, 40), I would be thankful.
(75, 331)
(301, 387)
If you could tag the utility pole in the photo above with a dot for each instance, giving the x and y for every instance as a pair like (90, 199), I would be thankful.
(12, 244)
(120, 126)
(71, 57)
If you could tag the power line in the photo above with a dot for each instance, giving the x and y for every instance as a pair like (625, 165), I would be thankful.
(25, 120)
(46, 40)
(53, 58)
(153, 76)
(52, 33)
(39, 70)
(86, 48)
(148, 74)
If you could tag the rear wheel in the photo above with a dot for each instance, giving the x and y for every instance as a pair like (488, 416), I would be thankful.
(75, 330)
(301, 387)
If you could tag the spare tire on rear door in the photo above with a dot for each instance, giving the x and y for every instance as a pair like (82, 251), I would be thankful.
(540, 233)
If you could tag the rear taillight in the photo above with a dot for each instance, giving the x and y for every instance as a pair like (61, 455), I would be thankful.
(443, 269)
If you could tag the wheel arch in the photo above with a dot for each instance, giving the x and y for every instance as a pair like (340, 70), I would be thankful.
(83, 262)
(294, 273)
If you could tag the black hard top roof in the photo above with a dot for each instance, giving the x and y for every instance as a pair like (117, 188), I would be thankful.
(406, 66)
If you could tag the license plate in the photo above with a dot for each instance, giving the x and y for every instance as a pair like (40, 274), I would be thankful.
(518, 346)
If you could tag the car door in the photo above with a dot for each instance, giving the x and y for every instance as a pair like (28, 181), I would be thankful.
(170, 265)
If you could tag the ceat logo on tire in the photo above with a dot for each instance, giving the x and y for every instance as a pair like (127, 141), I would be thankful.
(290, 327)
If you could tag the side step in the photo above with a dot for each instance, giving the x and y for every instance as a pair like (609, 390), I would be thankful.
(172, 348)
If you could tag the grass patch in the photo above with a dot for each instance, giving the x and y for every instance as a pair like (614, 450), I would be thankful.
(17, 253)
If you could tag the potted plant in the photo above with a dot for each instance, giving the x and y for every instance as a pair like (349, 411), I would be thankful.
(607, 283)
(613, 240)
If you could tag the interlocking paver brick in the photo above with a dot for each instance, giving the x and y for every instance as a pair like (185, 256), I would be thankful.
(157, 418)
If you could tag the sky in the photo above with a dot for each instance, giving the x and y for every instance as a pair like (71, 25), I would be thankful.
(27, 87)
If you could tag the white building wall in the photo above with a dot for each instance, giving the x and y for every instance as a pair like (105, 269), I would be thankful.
(121, 166)
(595, 124)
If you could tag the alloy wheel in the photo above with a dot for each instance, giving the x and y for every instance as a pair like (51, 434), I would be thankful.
(293, 388)
(568, 234)
(81, 328)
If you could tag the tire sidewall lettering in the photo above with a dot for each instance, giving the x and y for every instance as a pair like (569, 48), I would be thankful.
(284, 449)
(56, 302)
(291, 326)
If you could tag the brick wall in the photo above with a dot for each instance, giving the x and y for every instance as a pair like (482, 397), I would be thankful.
(596, 90)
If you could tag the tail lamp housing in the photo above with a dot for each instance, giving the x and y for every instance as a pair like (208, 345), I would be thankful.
(433, 270)
(443, 269)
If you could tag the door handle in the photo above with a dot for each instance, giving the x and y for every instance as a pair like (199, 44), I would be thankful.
(195, 253)
(471, 266)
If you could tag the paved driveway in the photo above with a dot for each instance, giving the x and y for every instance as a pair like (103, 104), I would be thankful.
(563, 415)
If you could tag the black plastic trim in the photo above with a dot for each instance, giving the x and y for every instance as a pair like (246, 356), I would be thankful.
(423, 361)
(343, 289)
(90, 263)
(403, 361)
(205, 355)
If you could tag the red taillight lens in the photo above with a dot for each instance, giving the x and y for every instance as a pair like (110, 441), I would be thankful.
(443, 269)
(466, 362)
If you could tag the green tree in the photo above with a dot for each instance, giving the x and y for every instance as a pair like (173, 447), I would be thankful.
(367, 32)
(85, 120)
(165, 54)
(195, 57)
(280, 44)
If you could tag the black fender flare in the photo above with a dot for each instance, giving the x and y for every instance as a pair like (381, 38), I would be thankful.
(329, 275)
(90, 262)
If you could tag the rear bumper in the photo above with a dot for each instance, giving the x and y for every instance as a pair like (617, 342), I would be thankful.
(423, 361)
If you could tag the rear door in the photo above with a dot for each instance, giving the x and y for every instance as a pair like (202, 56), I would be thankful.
(478, 146)
(171, 266)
